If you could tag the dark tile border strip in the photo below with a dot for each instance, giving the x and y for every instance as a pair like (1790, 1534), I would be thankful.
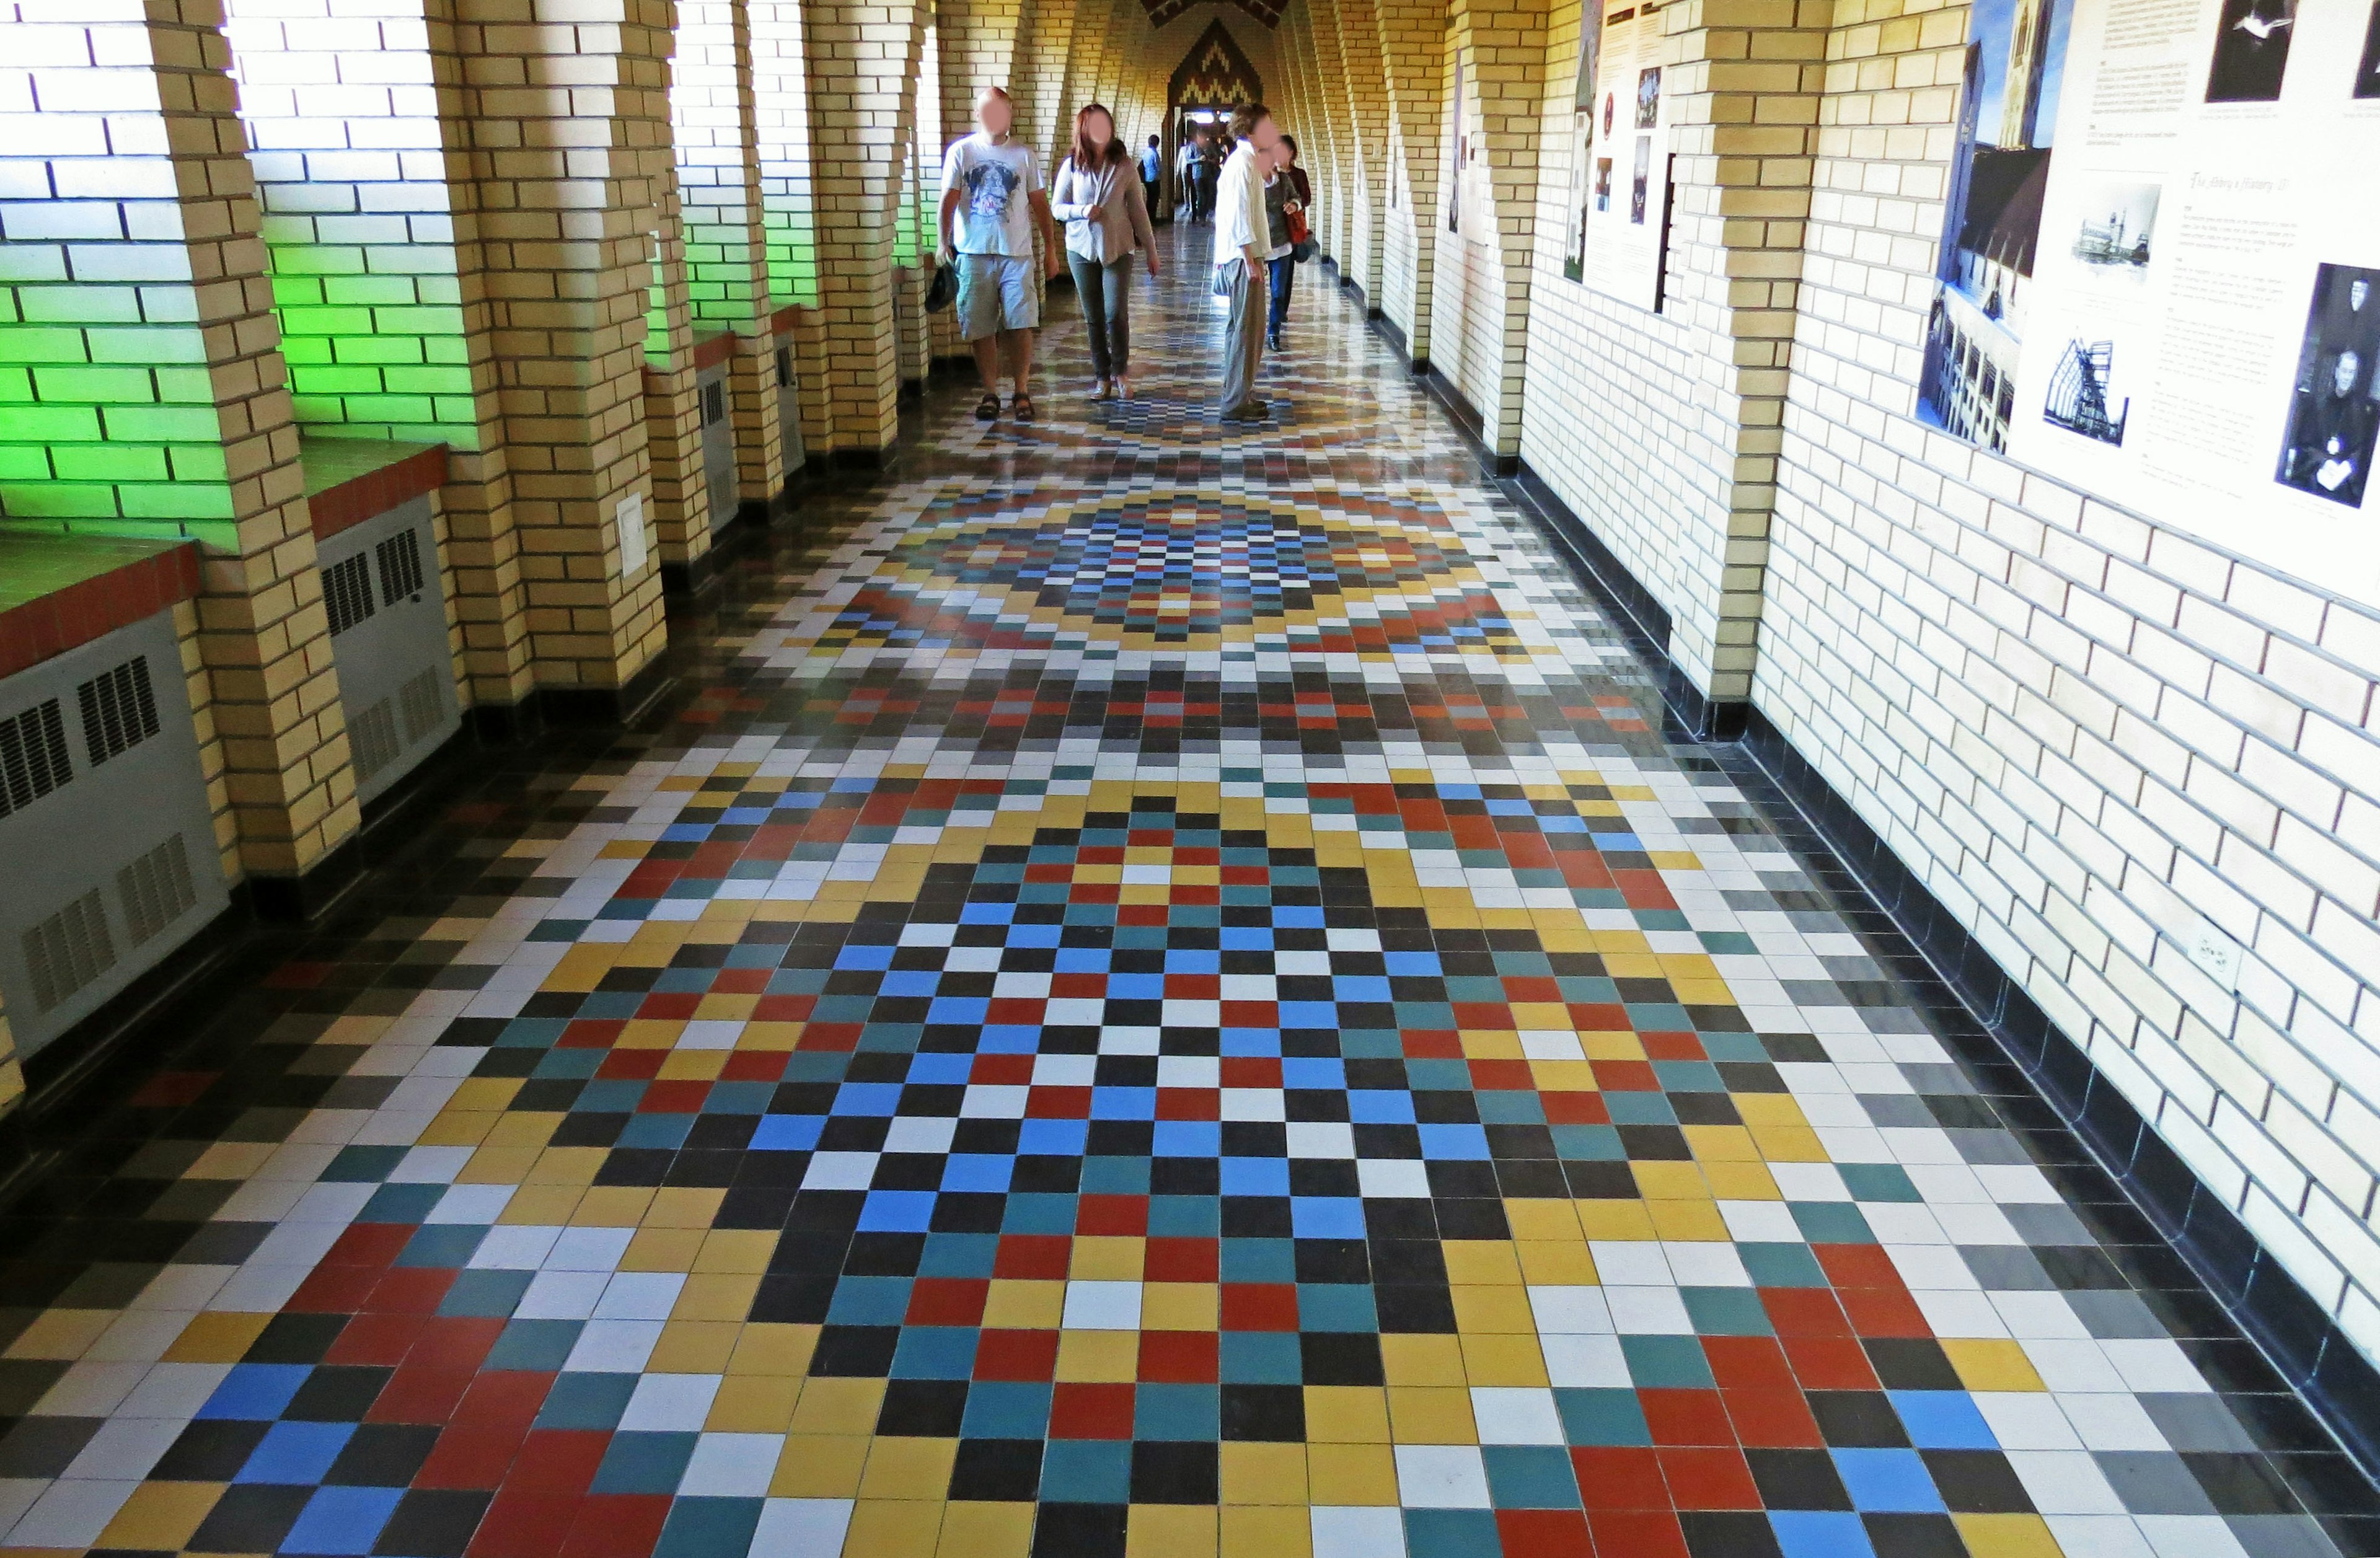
(2303, 1344)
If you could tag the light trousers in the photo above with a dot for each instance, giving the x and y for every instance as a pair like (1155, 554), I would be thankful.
(1243, 334)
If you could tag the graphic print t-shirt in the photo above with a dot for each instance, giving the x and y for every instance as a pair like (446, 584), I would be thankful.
(995, 216)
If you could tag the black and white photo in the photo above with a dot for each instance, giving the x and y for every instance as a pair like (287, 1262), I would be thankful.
(1648, 98)
(1642, 186)
(2252, 51)
(2326, 450)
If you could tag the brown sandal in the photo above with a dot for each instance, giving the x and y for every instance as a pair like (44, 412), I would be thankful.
(1021, 408)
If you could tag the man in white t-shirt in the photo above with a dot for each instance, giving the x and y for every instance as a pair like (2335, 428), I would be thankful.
(1243, 237)
(993, 203)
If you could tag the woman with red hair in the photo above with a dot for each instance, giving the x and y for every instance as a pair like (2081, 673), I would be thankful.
(1097, 195)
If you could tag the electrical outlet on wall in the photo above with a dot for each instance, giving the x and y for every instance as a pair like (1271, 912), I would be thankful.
(2216, 954)
(633, 549)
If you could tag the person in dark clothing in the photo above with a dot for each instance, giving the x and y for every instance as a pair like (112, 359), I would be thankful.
(1288, 191)
(1210, 165)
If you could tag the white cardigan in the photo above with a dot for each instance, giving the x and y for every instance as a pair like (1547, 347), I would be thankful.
(1123, 223)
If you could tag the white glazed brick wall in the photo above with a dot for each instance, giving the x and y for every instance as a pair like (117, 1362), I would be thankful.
(2082, 730)
(1468, 307)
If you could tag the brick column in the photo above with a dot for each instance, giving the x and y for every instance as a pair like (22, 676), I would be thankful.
(1413, 56)
(1059, 47)
(681, 501)
(714, 112)
(153, 399)
(570, 127)
(862, 81)
(1366, 91)
(1748, 79)
(781, 127)
(1505, 41)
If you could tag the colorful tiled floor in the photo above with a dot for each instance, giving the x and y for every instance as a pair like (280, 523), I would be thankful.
(1162, 993)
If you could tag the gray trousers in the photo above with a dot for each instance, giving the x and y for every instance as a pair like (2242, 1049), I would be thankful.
(1105, 291)
(1243, 336)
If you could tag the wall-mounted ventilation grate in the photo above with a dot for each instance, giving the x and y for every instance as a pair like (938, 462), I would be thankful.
(714, 404)
(156, 889)
(346, 590)
(68, 950)
(374, 738)
(32, 756)
(400, 566)
(418, 702)
(119, 710)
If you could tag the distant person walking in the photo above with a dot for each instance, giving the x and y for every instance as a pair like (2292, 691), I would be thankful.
(1097, 198)
(1153, 169)
(1288, 194)
(1186, 175)
(1243, 239)
(1210, 165)
(992, 205)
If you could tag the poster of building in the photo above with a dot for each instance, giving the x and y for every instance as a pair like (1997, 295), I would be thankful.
(1581, 143)
(1624, 195)
(2153, 283)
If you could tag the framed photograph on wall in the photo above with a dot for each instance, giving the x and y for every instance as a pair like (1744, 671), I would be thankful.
(1582, 143)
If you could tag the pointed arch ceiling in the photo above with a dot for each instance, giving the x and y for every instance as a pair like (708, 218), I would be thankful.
(1215, 74)
(1163, 11)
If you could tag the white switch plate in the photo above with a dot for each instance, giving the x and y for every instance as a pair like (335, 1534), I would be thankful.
(2216, 954)
(634, 550)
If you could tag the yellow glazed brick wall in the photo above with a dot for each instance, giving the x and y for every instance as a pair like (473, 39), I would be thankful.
(569, 127)
(1677, 476)
(714, 112)
(862, 82)
(263, 635)
(681, 501)
(1413, 60)
(353, 117)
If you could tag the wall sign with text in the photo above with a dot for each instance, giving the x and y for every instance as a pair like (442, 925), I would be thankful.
(2158, 279)
(1621, 149)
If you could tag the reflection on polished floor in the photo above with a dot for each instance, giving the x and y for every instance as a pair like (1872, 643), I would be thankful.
(1160, 990)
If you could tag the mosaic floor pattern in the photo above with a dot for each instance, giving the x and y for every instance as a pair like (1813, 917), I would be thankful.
(1159, 994)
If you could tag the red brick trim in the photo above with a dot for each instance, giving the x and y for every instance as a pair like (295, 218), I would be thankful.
(107, 595)
(376, 491)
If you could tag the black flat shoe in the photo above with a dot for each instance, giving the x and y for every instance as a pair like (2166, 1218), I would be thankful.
(987, 408)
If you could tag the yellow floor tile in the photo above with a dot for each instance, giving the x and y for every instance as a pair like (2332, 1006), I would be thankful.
(1504, 1360)
(1351, 1474)
(2009, 1535)
(904, 1469)
(838, 1407)
(1170, 1531)
(1098, 1357)
(1408, 1358)
(819, 1466)
(161, 1515)
(985, 1531)
(1431, 1415)
(1253, 1473)
(216, 1337)
(1986, 1363)
(1347, 1414)
(895, 1528)
(1254, 1531)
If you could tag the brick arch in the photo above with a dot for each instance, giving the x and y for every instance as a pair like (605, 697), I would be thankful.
(1215, 73)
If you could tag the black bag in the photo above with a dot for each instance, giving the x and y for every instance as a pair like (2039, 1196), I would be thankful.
(943, 290)
(1304, 250)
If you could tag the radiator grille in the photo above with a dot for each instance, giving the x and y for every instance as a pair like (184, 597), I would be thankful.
(346, 590)
(374, 738)
(400, 566)
(68, 950)
(156, 889)
(418, 702)
(119, 710)
(32, 756)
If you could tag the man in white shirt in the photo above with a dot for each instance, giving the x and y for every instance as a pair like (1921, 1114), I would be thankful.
(1243, 236)
(993, 203)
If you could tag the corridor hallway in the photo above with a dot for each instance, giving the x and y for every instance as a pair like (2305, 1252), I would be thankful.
(1156, 990)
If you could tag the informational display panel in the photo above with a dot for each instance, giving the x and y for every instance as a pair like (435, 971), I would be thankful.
(1626, 150)
(2160, 275)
